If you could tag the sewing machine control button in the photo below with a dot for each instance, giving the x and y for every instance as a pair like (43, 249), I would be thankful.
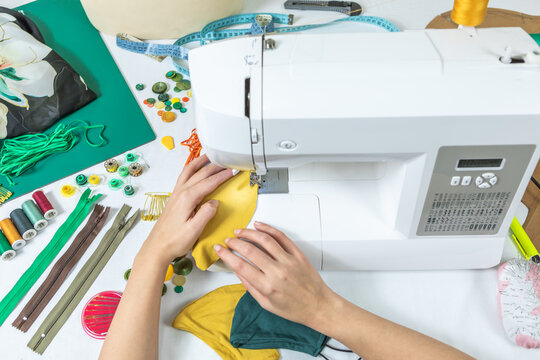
(466, 181)
(493, 180)
(488, 176)
(479, 180)
(484, 186)
(455, 181)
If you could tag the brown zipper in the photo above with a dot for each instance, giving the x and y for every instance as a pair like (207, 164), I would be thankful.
(61, 269)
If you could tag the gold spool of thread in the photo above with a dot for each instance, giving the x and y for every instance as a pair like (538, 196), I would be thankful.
(13, 236)
(469, 12)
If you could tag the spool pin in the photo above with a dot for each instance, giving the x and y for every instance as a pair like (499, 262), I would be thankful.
(23, 224)
(34, 215)
(49, 212)
(12, 235)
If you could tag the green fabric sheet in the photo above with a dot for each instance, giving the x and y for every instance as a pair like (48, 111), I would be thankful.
(68, 31)
(536, 38)
(255, 328)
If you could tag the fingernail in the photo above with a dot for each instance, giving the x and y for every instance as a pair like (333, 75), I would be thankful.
(236, 232)
(234, 172)
(217, 247)
(257, 223)
(213, 203)
(227, 241)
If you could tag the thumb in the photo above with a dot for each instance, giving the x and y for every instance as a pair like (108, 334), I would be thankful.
(205, 213)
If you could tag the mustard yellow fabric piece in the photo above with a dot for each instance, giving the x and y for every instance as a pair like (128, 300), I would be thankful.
(237, 203)
(210, 319)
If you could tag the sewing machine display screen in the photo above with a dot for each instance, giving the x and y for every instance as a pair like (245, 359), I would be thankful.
(479, 163)
(472, 188)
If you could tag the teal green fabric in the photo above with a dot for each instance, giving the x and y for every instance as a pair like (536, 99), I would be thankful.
(255, 328)
(67, 30)
(47, 255)
(536, 38)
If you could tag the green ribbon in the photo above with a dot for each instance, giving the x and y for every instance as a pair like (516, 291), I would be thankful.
(47, 255)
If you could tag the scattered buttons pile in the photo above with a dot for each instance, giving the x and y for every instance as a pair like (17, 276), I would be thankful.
(164, 103)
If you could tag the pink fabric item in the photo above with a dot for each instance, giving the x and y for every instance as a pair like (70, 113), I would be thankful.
(527, 342)
(519, 301)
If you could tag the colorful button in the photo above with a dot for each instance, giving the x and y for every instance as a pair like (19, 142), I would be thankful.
(175, 100)
(163, 97)
(177, 78)
(177, 105)
(185, 99)
(184, 85)
(139, 87)
(126, 274)
(183, 266)
(160, 112)
(177, 89)
(168, 116)
(189, 93)
(164, 290)
(160, 105)
(151, 101)
(170, 74)
(170, 273)
(183, 110)
(179, 280)
(178, 289)
(168, 108)
(159, 88)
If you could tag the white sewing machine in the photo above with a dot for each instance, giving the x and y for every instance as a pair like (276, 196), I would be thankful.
(402, 150)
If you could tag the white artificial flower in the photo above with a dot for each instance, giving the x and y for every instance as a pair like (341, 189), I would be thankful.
(22, 69)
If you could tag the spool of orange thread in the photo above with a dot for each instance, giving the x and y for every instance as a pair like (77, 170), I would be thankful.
(469, 12)
(13, 236)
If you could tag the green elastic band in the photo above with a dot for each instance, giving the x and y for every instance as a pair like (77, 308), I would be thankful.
(20, 154)
(47, 255)
(83, 281)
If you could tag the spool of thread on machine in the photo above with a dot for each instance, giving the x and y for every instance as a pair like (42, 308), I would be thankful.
(34, 215)
(49, 212)
(23, 224)
(6, 251)
(11, 233)
(469, 12)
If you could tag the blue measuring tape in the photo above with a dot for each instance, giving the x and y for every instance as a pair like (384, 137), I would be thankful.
(216, 30)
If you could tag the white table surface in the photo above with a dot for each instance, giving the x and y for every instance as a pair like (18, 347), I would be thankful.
(457, 307)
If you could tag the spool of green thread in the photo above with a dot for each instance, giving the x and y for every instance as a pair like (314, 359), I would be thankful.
(123, 171)
(34, 214)
(81, 179)
(7, 253)
(130, 157)
(129, 190)
(115, 184)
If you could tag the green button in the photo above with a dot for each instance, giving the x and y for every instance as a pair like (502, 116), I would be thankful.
(127, 273)
(183, 110)
(178, 289)
(168, 102)
(183, 266)
(164, 290)
(170, 74)
(178, 77)
(184, 85)
(151, 100)
(163, 97)
(159, 87)
(177, 105)
(176, 89)
(139, 87)
(168, 108)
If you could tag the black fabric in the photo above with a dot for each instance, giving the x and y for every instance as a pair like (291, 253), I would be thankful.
(70, 93)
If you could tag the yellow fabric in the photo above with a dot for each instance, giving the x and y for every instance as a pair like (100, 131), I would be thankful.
(210, 319)
(237, 203)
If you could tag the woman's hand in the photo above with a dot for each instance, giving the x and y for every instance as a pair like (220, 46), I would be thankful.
(179, 227)
(282, 280)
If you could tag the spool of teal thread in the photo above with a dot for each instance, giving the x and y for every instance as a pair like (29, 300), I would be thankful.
(7, 253)
(34, 214)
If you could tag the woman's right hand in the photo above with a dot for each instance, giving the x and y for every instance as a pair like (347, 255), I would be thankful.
(282, 280)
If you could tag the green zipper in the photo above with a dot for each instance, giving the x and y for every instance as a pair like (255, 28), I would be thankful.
(83, 281)
(47, 255)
